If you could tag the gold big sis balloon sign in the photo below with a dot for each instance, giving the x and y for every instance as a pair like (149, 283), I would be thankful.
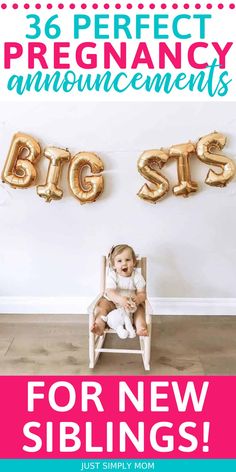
(20, 169)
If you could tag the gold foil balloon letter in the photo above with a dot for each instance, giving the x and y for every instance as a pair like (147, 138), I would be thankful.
(19, 171)
(57, 157)
(205, 152)
(183, 152)
(87, 189)
(147, 164)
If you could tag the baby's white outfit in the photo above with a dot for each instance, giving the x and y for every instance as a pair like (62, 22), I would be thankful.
(126, 286)
(119, 319)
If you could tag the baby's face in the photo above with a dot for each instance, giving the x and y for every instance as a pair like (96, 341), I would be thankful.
(124, 263)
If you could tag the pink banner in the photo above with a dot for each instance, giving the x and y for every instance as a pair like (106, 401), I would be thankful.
(125, 417)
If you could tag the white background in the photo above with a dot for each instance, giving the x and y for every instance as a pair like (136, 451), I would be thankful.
(53, 249)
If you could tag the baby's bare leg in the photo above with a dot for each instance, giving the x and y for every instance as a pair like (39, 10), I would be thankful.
(139, 321)
(102, 308)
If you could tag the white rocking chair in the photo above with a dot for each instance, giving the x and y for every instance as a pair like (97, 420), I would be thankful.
(96, 342)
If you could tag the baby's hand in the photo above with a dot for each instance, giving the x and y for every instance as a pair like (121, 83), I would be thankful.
(125, 303)
(132, 305)
(134, 299)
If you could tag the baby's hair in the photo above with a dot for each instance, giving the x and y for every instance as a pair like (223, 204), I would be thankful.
(116, 250)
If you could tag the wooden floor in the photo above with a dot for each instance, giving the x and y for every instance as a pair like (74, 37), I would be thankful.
(53, 344)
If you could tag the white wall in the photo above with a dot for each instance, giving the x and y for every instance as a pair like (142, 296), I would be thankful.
(53, 250)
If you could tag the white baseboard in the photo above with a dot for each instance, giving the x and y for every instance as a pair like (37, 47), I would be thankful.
(79, 305)
(44, 305)
(194, 306)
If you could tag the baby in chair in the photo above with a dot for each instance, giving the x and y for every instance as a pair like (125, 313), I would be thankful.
(125, 288)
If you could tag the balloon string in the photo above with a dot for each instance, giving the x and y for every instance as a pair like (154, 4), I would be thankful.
(122, 151)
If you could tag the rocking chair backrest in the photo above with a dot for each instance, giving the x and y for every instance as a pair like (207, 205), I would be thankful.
(141, 263)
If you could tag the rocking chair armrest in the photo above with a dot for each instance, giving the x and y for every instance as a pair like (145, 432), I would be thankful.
(93, 304)
(148, 312)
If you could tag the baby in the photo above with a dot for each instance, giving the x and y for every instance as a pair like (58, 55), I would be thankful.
(124, 283)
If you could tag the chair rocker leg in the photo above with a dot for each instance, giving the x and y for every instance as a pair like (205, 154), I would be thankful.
(95, 343)
(145, 344)
(91, 350)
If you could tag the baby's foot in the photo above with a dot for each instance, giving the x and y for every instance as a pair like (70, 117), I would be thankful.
(142, 331)
(97, 328)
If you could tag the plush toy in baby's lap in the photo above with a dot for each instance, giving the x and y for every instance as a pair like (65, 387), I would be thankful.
(120, 320)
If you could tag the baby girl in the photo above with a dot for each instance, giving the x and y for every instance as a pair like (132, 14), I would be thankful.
(124, 286)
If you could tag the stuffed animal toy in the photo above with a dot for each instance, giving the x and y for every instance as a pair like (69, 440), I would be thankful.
(120, 320)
